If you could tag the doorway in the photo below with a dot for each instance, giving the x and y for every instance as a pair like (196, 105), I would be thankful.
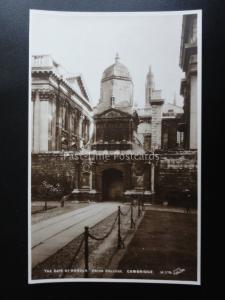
(112, 185)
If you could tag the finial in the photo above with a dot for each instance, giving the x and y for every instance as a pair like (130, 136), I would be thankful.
(117, 57)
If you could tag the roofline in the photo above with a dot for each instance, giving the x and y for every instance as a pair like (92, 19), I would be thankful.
(62, 80)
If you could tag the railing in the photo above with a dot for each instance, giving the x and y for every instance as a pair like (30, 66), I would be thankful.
(120, 241)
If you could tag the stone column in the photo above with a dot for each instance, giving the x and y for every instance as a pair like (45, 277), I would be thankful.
(36, 122)
(84, 130)
(77, 120)
(91, 179)
(152, 177)
(193, 112)
(80, 130)
(58, 124)
(69, 127)
(50, 110)
(95, 132)
(43, 125)
(88, 130)
(53, 123)
(156, 123)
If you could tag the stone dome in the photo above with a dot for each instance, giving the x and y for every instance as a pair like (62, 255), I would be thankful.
(117, 70)
(116, 88)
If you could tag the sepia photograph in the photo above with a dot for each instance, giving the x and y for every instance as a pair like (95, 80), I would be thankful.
(115, 147)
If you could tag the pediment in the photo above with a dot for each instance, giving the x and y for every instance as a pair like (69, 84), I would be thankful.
(113, 113)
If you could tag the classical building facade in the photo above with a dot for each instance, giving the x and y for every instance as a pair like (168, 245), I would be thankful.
(105, 153)
(61, 109)
(188, 63)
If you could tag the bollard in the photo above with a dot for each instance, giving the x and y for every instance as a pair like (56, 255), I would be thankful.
(86, 252)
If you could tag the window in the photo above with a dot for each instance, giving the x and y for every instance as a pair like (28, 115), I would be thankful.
(112, 101)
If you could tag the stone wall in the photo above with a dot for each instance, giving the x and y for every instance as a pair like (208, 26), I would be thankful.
(53, 169)
(175, 172)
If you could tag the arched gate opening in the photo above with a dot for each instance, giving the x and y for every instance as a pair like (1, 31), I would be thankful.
(112, 185)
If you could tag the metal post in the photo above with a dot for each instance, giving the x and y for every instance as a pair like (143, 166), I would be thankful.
(131, 216)
(139, 207)
(86, 252)
(143, 203)
(119, 236)
(132, 224)
(152, 182)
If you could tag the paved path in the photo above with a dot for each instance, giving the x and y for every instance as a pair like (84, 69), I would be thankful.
(51, 235)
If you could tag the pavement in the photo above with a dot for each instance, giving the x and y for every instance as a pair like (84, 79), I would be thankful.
(50, 235)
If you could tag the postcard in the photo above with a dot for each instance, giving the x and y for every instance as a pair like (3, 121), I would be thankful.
(115, 147)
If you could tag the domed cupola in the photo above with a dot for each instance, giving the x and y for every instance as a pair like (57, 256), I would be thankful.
(117, 70)
(116, 87)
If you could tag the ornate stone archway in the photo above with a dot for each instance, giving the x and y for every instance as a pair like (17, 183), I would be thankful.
(101, 169)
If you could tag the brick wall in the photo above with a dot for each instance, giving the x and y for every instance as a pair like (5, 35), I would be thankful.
(175, 172)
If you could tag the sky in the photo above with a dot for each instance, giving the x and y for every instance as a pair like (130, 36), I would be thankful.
(87, 45)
